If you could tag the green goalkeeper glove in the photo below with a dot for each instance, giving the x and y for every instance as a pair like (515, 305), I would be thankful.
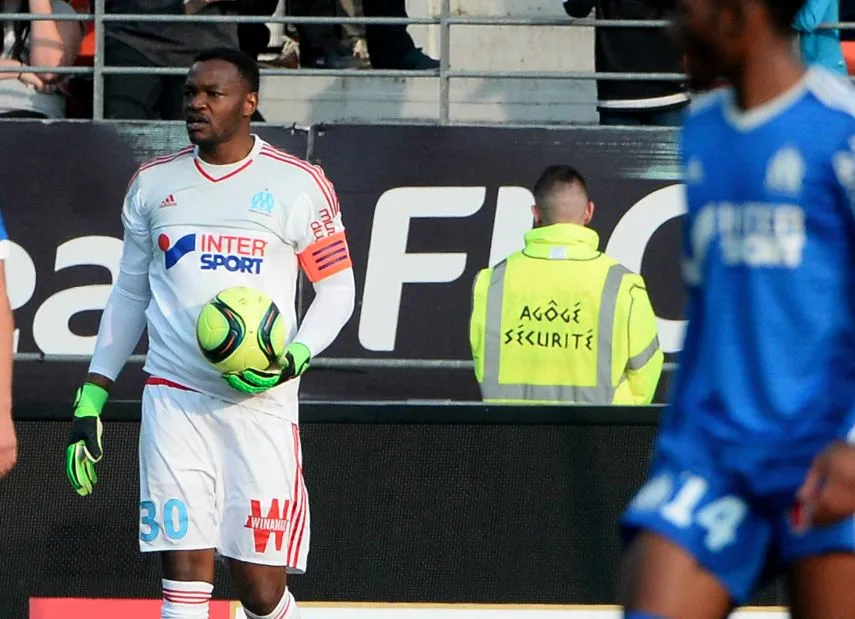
(84, 440)
(292, 364)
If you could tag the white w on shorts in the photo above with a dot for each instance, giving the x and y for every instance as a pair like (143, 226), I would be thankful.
(219, 475)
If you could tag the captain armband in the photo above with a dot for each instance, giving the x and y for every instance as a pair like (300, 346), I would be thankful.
(325, 257)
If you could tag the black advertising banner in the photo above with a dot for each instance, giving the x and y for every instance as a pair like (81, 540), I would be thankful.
(426, 208)
(441, 513)
(61, 191)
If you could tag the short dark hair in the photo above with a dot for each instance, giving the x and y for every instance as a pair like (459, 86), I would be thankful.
(246, 66)
(557, 175)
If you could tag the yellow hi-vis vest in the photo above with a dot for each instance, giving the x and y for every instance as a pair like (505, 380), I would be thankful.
(560, 322)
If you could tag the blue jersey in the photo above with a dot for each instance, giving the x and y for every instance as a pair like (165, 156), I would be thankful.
(767, 372)
(769, 355)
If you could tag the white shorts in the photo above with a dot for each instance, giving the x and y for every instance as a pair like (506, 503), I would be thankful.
(219, 475)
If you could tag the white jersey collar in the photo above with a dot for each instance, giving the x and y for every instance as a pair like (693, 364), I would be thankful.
(762, 114)
(217, 173)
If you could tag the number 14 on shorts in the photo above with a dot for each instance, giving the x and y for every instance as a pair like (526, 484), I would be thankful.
(685, 501)
(170, 520)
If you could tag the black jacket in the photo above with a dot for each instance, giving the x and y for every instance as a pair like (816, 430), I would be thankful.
(166, 44)
(847, 14)
(641, 50)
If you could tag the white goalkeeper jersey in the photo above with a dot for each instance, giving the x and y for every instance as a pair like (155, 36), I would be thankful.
(196, 229)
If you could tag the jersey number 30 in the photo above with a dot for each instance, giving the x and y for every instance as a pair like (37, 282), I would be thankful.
(171, 520)
(720, 518)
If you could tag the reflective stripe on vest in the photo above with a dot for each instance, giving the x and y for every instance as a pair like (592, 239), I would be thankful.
(603, 392)
(640, 360)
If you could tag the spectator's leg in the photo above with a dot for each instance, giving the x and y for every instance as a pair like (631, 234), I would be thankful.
(671, 117)
(172, 97)
(391, 47)
(611, 117)
(253, 39)
(350, 32)
(129, 97)
(320, 45)
(22, 114)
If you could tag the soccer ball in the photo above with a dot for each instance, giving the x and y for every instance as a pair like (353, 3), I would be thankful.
(239, 329)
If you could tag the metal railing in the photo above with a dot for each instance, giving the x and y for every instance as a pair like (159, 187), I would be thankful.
(445, 20)
(331, 363)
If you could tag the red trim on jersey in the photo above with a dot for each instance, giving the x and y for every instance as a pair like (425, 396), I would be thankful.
(160, 161)
(314, 171)
(224, 177)
(156, 381)
(284, 613)
(326, 257)
(301, 498)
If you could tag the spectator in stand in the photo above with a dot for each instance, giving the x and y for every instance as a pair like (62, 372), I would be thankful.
(254, 39)
(321, 45)
(638, 50)
(78, 88)
(820, 47)
(161, 44)
(43, 43)
(353, 35)
(392, 47)
(389, 47)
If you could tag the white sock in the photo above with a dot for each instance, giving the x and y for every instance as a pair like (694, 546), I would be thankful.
(185, 600)
(285, 609)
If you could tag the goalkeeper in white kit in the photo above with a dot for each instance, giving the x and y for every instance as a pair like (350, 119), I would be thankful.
(220, 457)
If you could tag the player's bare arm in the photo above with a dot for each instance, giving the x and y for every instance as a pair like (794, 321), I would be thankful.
(8, 440)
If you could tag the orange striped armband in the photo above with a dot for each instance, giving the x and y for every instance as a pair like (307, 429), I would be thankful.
(326, 257)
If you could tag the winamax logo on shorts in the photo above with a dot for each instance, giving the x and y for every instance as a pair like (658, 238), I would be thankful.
(275, 522)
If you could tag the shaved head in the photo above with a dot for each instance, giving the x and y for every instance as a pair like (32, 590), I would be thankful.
(561, 197)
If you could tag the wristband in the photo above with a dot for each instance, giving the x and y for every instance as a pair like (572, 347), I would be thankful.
(90, 400)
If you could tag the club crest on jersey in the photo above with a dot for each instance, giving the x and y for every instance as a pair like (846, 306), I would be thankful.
(262, 202)
(236, 254)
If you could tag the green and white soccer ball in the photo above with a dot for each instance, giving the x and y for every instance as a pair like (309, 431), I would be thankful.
(239, 329)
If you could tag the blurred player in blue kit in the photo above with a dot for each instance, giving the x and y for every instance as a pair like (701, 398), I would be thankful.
(8, 441)
(767, 373)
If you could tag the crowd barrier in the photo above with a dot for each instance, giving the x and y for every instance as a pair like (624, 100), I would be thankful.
(447, 17)
(425, 208)
(411, 504)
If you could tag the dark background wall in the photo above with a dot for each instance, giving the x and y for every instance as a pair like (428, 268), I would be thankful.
(62, 203)
(448, 504)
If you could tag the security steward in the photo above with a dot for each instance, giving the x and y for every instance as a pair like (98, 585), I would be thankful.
(561, 322)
